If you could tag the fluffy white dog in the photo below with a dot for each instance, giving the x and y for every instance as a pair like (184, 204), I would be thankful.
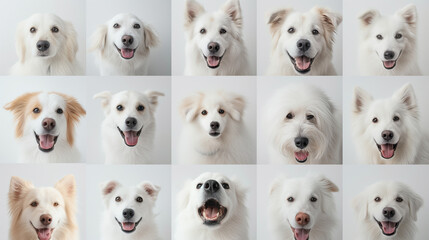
(212, 207)
(46, 45)
(303, 126)
(123, 45)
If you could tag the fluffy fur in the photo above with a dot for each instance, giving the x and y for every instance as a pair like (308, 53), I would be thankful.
(44, 126)
(295, 199)
(303, 126)
(292, 31)
(60, 56)
(388, 43)
(371, 206)
(116, 55)
(220, 31)
(197, 218)
(213, 130)
(30, 205)
(128, 130)
(129, 212)
(387, 131)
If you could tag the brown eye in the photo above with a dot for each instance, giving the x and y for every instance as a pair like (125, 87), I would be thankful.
(375, 120)
(204, 112)
(395, 118)
(225, 185)
(116, 25)
(136, 26)
(222, 31)
(203, 31)
(139, 199)
(33, 30)
(36, 110)
(315, 32)
(291, 30)
(199, 185)
(118, 199)
(379, 37)
(140, 108)
(56, 204)
(34, 204)
(398, 36)
(399, 199)
(290, 199)
(289, 116)
(221, 111)
(377, 199)
(313, 199)
(309, 117)
(55, 29)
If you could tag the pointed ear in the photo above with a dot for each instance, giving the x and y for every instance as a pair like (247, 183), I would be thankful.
(361, 99)
(406, 96)
(18, 107)
(368, 17)
(108, 187)
(184, 195)
(153, 98)
(150, 38)
(73, 112)
(151, 189)
(20, 42)
(328, 184)
(330, 20)
(233, 10)
(193, 10)
(17, 189)
(276, 19)
(409, 13)
(415, 203)
(189, 106)
(67, 186)
(236, 107)
(71, 46)
(98, 39)
(105, 97)
(360, 205)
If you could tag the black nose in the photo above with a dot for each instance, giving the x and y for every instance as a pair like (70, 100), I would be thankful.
(301, 142)
(303, 45)
(127, 40)
(214, 125)
(387, 135)
(388, 212)
(43, 45)
(213, 47)
(128, 213)
(131, 122)
(48, 124)
(388, 55)
(211, 186)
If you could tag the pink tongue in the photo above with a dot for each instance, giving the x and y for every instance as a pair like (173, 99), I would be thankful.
(301, 156)
(388, 227)
(131, 138)
(213, 61)
(46, 141)
(389, 64)
(44, 234)
(387, 150)
(128, 226)
(211, 213)
(303, 62)
(301, 234)
(127, 53)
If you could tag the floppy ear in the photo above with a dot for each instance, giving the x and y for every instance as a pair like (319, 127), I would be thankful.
(276, 19)
(368, 17)
(184, 195)
(414, 204)
(17, 189)
(17, 107)
(71, 46)
(72, 113)
(151, 189)
(236, 107)
(328, 187)
(409, 13)
(189, 106)
(361, 99)
(360, 205)
(330, 22)
(98, 39)
(105, 97)
(193, 10)
(153, 98)
(20, 42)
(150, 38)
(67, 186)
(233, 10)
(406, 96)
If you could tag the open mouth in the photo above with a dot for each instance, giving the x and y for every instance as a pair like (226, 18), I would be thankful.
(126, 53)
(128, 227)
(212, 213)
(46, 142)
(301, 156)
(301, 234)
(302, 63)
(390, 64)
(213, 61)
(388, 228)
(131, 138)
(387, 150)
(43, 233)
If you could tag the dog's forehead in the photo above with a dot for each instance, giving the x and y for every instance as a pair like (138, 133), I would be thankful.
(51, 100)
(389, 190)
(44, 195)
(384, 107)
(213, 20)
(304, 20)
(301, 186)
(387, 25)
(212, 100)
(129, 97)
(125, 18)
(128, 192)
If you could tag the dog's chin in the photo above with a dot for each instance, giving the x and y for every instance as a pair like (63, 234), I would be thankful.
(301, 234)
(302, 64)
(387, 150)
(128, 227)
(388, 228)
(43, 55)
(126, 53)
(212, 212)
(301, 156)
(213, 61)
(46, 143)
(43, 233)
(130, 138)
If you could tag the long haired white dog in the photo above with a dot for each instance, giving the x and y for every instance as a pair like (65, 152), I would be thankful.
(46, 45)
(303, 126)
(387, 210)
(388, 43)
(128, 131)
(303, 208)
(212, 207)
(213, 130)
(123, 45)
(302, 42)
(387, 131)
(214, 40)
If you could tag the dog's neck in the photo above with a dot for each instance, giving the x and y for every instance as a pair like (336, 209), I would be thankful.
(208, 153)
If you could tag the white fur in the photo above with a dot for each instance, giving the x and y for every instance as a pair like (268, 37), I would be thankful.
(323, 131)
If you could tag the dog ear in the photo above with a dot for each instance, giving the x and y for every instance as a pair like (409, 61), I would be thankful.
(193, 10)
(105, 97)
(189, 106)
(328, 187)
(415, 203)
(406, 96)
(108, 187)
(276, 19)
(360, 204)
(17, 189)
(183, 197)
(18, 107)
(150, 38)
(150, 189)
(71, 46)
(330, 21)
(236, 107)
(328, 184)
(99, 38)
(233, 10)
(153, 98)
(368, 17)
(21, 49)
(361, 99)
(409, 13)
(67, 186)
(276, 185)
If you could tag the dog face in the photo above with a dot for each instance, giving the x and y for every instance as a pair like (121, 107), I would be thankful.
(47, 117)
(302, 37)
(387, 205)
(389, 36)
(213, 33)
(129, 207)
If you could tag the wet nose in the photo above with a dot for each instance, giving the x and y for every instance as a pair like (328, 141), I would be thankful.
(48, 124)
(43, 45)
(387, 135)
(301, 142)
(214, 125)
(213, 47)
(389, 55)
(131, 122)
(46, 219)
(211, 186)
(303, 45)
(302, 219)
(127, 40)
(388, 212)
(128, 213)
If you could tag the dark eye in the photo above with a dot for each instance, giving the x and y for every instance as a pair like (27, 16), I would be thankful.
(377, 199)
(290, 199)
(118, 199)
(225, 185)
(56, 204)
(36, 110)
(315, 32)
(139, 199)
(375, 120)
(34, 204)
(59, 111)
(204, 112)
(399, 199)
(289, 116)
(309, 117)
(54, 29)
(203, 30)
(395, 118)
(119, 107)
(221, 111)
(398, 36)
(291, 30)
(222, 31)
(199, 185)
(313, 199)
(33, 30)
(136, 26)
(140, 108)
(116, 25)
(379, 37)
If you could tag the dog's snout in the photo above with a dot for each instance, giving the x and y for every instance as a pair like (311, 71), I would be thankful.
(302, 219)
(46, 219)
(127, 40)
(211, 186)
(301, 142)
(213, 47)
(214, 125)
(388, 212)
(131, 122)
(43, 45)
(389, 55)
(48, 124)
(303, 45)
(128, 213)
(387, 135)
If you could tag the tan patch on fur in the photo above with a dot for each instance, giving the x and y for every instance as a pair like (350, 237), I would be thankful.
(276, 21)
(191, 103)
(329, 27)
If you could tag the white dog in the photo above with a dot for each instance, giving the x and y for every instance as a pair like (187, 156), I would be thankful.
(302, 42)
(128, 130)
(212, 207)
(213, 131)
(46, 45)
(123, 45)
(45, 123)
(388, 43)
(129, 212)
(214, 41)
(303, 126)
(387, 131)
(387, 211)
(303, 208)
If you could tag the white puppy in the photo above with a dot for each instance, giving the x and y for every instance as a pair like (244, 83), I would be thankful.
(303, 208)
(387, 211)
(388, 43)
(214, 40)
(128, 131)
(212, 207)
(302, 42)
(303, 126)
(129, 212)
(123, 45)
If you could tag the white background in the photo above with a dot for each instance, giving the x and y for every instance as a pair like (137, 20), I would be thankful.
(352, 11)
(248, 8)
(380, 88)
(185, 86)
(13, 12)
(128, 176)
(42, 176)
(156, 14)
(267, 174)
(357, 178)
(266, 7)
(246, 176)
(267, 86)
(140, 84)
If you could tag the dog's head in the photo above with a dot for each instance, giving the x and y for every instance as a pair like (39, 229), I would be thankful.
(390, 36)
(214, 32)
(125, 35)
(387, 121)
(302, 37)
(46, 117)
(387, 205)
(41, 212)
(129, 207)
(299, 203)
